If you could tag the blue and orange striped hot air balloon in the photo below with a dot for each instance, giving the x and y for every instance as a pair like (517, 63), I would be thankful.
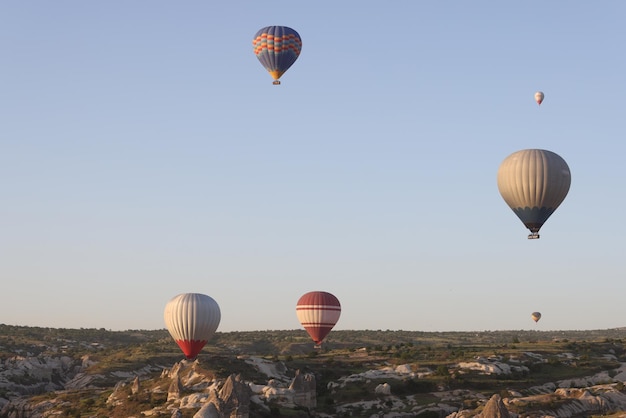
(277, 48)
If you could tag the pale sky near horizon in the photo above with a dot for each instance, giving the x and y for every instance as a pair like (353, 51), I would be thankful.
(144, 152)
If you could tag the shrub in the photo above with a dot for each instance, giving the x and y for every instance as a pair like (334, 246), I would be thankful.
(442, 370)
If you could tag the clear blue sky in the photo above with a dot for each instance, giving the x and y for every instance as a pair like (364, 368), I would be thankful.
(144, 152)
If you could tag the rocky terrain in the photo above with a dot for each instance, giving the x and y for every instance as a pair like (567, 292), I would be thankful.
(98, 373)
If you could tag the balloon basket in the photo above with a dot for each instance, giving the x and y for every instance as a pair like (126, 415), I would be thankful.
(276, 83)
(534, 235)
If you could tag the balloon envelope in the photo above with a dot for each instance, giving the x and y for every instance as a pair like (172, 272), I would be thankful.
(539, 97)
(536, 316)
(534, 182)
(192, 319)
(277, 48)
(318, 312)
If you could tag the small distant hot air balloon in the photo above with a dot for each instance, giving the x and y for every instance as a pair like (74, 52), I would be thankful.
(539, 97)
(192, 319)
(318, 312)
(536, 316)
(277, 48)
(534, 182)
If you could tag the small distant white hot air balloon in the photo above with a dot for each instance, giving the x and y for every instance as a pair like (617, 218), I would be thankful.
(536, 316)
(534, 182)
(192, 319)
(539, 97)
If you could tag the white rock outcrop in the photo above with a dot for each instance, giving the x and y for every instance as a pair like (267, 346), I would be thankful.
(383, 389)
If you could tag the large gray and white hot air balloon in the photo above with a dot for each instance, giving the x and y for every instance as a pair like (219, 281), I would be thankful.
(534, 182)
(192, 319)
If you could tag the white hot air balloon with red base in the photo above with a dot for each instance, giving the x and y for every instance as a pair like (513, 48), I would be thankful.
(539, 96)
(192, 319)
(318, 312)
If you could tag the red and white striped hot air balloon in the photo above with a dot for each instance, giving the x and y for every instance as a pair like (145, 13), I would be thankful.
(318, 312)
(192, 319)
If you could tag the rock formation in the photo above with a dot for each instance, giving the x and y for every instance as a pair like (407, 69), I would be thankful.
(209, 411)
(117, 396)
(134, 388)
(175, 389)
(494, 409)
(303, 387)
(192, 387)
(383, 389)
(234, 398)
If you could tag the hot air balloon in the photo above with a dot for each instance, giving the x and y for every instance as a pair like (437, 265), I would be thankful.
(318, 312)
(536, 316)
(539, 97)
(277, 48)
(192, 319)
(534, 182)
